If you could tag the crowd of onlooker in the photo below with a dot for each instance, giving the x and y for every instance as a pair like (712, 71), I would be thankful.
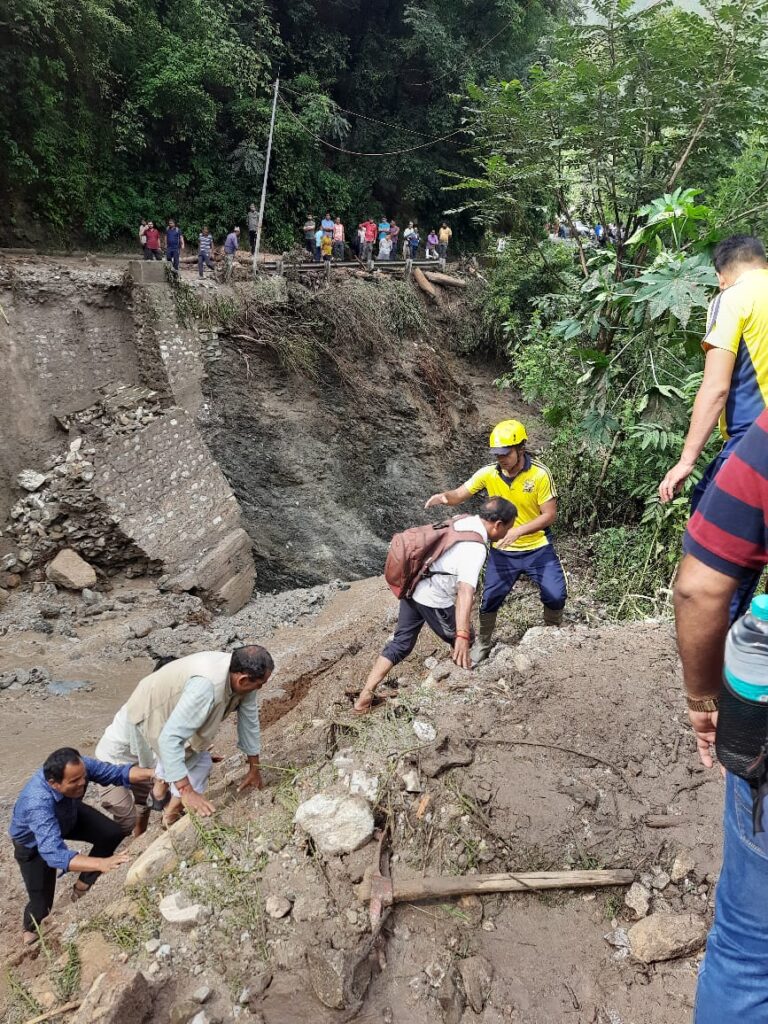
(380, 240)
(569, 228)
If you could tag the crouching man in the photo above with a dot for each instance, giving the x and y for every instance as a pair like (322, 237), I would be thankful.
(49, 810)
(177, 711)
(443, 597)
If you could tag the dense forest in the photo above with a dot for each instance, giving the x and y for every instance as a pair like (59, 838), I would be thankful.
(117, 109)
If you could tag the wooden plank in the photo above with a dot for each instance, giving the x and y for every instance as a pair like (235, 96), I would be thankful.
(448, 885)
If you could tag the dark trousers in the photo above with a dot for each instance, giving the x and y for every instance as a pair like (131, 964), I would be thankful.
(745, 591)
(152, 254)
(91, 826)
(541, 566)
(252, 240)
(204, 260)
(411, 619)
(172, 255)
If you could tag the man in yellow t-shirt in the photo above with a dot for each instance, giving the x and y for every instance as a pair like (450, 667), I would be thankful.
(444, 236)
(526, 548)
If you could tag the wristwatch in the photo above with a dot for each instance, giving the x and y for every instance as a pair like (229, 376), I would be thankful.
(708, 704)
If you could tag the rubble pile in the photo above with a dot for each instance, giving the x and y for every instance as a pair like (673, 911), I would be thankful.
(60, 509)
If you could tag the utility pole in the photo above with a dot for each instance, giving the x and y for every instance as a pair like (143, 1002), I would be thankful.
(266, 175)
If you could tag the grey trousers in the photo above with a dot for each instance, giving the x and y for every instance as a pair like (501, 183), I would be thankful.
(411, 619)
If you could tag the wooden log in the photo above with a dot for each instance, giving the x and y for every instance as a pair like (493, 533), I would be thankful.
(437, 278)
(426, 286)
(665, 821)
(449, 885)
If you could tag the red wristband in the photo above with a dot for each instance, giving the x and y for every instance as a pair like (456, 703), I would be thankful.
(463, 634)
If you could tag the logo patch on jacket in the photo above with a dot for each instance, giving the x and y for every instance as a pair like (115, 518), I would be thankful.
(528, 486)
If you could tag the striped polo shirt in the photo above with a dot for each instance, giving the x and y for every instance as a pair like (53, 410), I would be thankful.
(204, 243)
(729, 530)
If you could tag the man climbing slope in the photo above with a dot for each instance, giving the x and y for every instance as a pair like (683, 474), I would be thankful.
(526, 548)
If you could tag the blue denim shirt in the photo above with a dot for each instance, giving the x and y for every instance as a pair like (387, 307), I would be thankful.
(42, 816)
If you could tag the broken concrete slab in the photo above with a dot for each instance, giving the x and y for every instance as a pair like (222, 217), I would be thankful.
(148, 271)
(69, 570)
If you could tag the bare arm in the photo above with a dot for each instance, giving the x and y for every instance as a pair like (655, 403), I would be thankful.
(103, 864)
(709, 403)
(454, 497)
(464, 597)
(137, 774)
(702, 598)
(541, 522)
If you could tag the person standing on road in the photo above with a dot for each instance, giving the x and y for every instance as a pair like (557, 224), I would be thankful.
(309, 235)
(177, 710)
(383, 228)
(443, 598)
(734, 389)
(231, 245)
(49, 810)
(394, 237)
(204, 251)
(152, 248)
(253, 226)
(318, 253)
(327, 224)
(527, 547)
(444, 237)
(725, 544)
(338, 239)
(174, 243)
(414, 240)
(369, 227)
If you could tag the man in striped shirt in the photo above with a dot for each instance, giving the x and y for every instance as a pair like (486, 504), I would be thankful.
(727, 542)
(204, 251)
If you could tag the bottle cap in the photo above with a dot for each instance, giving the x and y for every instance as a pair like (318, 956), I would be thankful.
(759, 608)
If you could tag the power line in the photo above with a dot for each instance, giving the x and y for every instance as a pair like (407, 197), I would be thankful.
(354, 113)
(467, 57)
(351, 152)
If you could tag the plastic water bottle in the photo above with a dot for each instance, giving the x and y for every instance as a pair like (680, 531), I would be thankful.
(742, 725)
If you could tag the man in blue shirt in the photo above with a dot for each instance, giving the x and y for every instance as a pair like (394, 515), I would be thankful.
(383, 228)
(231, 245)
(49, 810)
(174, 243)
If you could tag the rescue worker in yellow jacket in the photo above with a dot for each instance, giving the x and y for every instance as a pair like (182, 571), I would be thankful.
(527, 548)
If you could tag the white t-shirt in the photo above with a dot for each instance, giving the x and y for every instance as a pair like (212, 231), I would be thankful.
(463, 561)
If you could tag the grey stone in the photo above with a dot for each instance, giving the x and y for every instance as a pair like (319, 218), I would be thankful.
(684, 864)
(184, 1012)
(255, 989)
(176, 909)
(152, 945)
(30, 479)
(638, 899)
(326, 976)
(141, 627)
(660, 880)
(666, 936)
(476, 974)
(118, 996)
(451, 997)
(202, 994)
(69, 570)
(277, 907)
(337, 824)
(89, 596)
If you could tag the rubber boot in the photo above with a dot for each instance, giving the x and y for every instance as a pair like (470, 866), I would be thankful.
(484, 641)
(553, 617)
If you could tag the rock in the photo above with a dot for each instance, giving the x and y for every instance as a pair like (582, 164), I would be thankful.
(683, 865)
(277, 907)
(202, 995)
(666, 936)
(118, 996)
(522, 663)
(447, 753)
(49, 610)
(337, 824)
(425, 731)
(362, 784)
(660, 880)
(30, 480)
(451, 997)
(152, 945)
(255, 989)
(141, 627)
(476, 974)
(69, 570)
(176, 909)
(411, 781)
(12, 580)
(326, 975)
(184, 1012)
(430, 662)
(3, 596)
(164, 854)
(638, 899)
(89, 596)
(201, 1018)
(442, 672)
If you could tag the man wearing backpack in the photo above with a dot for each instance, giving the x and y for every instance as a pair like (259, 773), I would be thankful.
(435, 574)
(527, 548)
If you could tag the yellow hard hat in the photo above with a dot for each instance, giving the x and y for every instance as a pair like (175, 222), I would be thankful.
(506, 435)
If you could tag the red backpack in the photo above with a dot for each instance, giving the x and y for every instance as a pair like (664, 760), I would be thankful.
(412, 552)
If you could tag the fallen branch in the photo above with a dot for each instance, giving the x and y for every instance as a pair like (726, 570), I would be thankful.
(426, 286)
(66, 1008)
(437, 278)
(664, 821)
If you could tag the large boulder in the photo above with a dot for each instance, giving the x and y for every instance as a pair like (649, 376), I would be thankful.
(666, 936)
(69, 570)
(164, 854)
(118, 996)
(337, 824)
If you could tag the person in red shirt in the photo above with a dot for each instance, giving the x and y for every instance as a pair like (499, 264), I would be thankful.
(152, 249)
(371, 231)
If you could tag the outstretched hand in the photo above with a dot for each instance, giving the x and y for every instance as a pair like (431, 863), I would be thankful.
(436, 499)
